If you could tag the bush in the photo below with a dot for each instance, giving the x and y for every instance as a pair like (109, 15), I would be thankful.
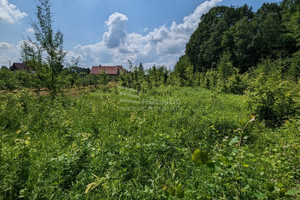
(237, 84)
(272, 99)
(8, 80)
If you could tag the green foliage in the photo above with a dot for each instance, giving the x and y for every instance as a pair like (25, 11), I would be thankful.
(205, 46)
(273, 99)
(7, 80)
(294, 70)
(200, 157)
(271, 32)
(229, 79)
(150, 138)
(171, 142)
(48, 43)
(185, 72)
(142, 80)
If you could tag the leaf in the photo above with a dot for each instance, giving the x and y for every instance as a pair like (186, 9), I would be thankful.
(292, 192)
(236, 130)
(270, 186)
(94, 184)
(259, 195)
(211, 165)
(200, 157)
(224, 160)
(245, 165)
(180, 191)
(172, 190)
(91, 186)
(246, 187)
(282, 191)
(234, 140)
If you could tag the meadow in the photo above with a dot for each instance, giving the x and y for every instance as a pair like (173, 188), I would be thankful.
(222, 124)
(166, 143)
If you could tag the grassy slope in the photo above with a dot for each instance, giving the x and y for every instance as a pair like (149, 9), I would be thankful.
(125, 145)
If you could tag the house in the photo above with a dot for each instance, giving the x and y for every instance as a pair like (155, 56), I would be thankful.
(19, 66)
(108, 70)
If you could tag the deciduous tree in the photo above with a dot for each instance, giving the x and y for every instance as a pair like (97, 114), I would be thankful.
(46, 52)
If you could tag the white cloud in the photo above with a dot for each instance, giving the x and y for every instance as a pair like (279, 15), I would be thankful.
(9, 52)
(30, 30)
(5, 45)
(116, 30)
(162, 46)
(192, 21)
(158, 35)
(10, 13)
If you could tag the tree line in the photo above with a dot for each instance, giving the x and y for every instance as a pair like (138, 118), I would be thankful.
(245, 36)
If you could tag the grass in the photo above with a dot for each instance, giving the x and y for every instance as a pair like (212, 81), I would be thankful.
(73, 91)
(122, 144)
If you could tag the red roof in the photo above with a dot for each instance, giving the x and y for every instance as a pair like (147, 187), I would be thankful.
(109, 70)
(19, 66)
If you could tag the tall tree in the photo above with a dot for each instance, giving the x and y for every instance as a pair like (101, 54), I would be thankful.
(205, 48)
(47, 50)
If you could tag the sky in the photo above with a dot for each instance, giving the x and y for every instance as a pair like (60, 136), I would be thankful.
(111, 32)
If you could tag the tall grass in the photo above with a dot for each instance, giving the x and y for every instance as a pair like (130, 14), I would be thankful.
(123, 144)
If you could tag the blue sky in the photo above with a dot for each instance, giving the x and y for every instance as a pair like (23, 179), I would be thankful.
(112, 31)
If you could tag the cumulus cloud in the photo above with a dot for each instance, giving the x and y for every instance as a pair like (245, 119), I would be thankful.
(9, 52)
(161, 46)
(116, 30)
(10, 13)
(191, 21)
(5, 45)
(158, 35)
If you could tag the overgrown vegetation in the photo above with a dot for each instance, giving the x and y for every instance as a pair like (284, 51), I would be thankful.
(224, 124)
(173, 142)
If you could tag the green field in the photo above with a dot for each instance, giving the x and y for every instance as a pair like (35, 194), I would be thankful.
(169, 143)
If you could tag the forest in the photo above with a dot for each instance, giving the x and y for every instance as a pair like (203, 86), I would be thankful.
(223, 124)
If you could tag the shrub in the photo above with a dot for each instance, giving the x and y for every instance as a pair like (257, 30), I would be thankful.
(272, 99)
(237, 84)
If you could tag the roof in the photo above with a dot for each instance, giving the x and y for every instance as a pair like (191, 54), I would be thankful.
(19, 66)
(109, 70)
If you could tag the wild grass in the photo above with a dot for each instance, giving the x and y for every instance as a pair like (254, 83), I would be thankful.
(123, 144)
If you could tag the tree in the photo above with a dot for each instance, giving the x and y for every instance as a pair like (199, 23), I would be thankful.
(184, 70)
(205, 48)
(4, 67)
(181, 66)
(46, 52)
(238, 42)
(272, 38)
(141, 70)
